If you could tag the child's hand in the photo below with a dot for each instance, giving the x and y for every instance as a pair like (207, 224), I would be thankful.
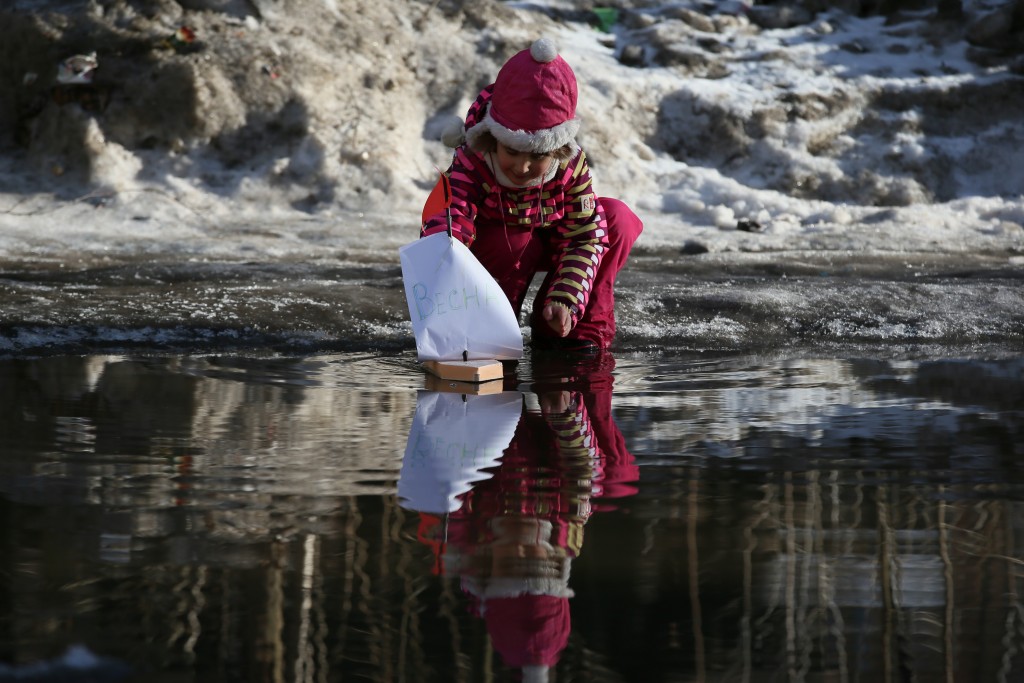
(555, 402)
(558, 319)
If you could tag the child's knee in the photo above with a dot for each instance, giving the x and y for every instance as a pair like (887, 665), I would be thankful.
(624, 226)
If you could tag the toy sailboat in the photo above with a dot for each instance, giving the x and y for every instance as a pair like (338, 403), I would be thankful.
(463, 322)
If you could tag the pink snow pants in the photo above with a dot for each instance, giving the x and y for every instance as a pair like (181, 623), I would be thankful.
(514, 256)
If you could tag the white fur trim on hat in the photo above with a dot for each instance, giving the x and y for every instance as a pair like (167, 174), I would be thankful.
(511, 587)
(487, 587)
(541, 141)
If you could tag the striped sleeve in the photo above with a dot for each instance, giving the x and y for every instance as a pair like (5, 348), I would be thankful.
(467, 193)
(577, 446)
(583, 237)
(467, 189)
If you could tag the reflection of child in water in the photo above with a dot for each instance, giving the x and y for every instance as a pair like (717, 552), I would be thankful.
(522, 593)
(513, 540)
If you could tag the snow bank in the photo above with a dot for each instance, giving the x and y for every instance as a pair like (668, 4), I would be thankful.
(744, 128)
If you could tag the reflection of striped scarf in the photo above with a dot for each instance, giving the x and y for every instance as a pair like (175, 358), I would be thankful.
(564, 209)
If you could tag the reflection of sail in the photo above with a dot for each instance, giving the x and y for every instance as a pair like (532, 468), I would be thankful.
(458, 311)
(453, 439)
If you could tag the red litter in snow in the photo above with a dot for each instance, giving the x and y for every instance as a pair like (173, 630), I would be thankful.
(185, 35)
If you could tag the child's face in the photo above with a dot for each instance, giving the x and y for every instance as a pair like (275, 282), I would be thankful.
(523, 168)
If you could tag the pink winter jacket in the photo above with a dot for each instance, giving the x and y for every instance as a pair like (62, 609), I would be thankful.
(564, 212)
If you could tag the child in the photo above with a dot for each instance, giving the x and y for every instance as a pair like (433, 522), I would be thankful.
(522, 201)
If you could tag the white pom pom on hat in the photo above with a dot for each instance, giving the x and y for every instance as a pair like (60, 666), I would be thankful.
(537, 673)
(543, 50)
(533, 104)
(454, 133)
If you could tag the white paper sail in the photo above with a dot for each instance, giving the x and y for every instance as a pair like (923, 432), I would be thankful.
(452, 440)
(458, 311)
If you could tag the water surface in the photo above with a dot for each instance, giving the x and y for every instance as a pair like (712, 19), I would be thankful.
(642, 517)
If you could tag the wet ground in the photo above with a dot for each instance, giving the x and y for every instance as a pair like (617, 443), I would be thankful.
(640, 516)
(666, 301)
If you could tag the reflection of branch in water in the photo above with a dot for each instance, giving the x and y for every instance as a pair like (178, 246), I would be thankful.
(788, 523)
(381, 626)
(858, 503)
(771, 510)
(320, 633)
(189, 605)
(748, 580)
(305, 650)
(348, 575)
(649, 543)
(359, 562)
(692, 515)
(1014, 623)
(446, 609)
(948, 576)
(275, 608)
(410, 634)
(836, 623)
(886, 554)
(811, 616)
(198, 602)
(898, 615)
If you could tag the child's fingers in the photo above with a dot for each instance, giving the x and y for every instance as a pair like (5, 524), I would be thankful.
(558, 319)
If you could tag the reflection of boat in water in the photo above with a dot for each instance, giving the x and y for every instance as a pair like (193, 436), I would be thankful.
(454, 438)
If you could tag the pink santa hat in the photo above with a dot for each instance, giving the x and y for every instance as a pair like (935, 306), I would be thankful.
(533, 106)
(529, 631)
